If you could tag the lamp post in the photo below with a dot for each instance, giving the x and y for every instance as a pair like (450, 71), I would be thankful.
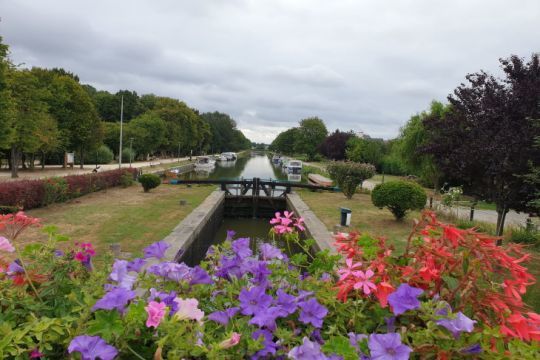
(179, 152)
(130, 151)
(121, 128)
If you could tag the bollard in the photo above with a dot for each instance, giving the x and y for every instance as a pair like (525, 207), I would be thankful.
(183, 202)
(345, 216)
(471, 215)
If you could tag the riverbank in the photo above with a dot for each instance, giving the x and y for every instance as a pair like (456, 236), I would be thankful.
(127, 216)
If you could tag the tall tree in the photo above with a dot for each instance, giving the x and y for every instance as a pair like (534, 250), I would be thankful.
(7, 111)
(311, 133)
(366, 150)
(335, 144)
(225, 136)
(148, 132)
(284, 142)
(486, 141)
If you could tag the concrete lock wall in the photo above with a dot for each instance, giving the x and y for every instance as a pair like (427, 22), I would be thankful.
(191, 238)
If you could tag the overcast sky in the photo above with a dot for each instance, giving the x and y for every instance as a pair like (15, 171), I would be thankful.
(360, 65)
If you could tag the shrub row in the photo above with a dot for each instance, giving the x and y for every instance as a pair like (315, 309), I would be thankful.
(30, 194)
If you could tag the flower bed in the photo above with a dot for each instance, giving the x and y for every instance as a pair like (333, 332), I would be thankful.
(453, 294)
(30, 194)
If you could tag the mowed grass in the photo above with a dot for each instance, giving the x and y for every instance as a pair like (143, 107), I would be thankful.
(128, 216)
(366, 218)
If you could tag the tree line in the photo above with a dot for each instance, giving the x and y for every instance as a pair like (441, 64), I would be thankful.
(486, 138)
(45, 113)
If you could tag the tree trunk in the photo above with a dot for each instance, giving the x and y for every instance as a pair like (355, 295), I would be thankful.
(14, 162)
(81, 151)
(43, 160)
(501, 217)
(23, 161)
(32, 160)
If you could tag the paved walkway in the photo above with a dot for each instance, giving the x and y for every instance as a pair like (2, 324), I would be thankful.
(57, 170)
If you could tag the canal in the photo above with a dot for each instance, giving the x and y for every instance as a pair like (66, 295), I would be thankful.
(247, 166)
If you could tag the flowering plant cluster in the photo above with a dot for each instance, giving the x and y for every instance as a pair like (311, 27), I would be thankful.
(452, 294)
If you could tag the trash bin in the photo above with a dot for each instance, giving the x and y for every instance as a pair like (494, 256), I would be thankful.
(345, 216)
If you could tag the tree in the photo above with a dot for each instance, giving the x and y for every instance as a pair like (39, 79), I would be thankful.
(335, 144)
(366, 150)
(349, 175)
(225, 136)
(399, 197)
(284, 142)
(7, 111)
(486, 140)
(311, 133)
(414, 137)
(148, 131)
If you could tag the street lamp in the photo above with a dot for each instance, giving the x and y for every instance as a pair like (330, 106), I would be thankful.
(179, 152)
(130, 151)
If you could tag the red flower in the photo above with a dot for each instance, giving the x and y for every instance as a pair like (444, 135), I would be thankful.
(383, 290)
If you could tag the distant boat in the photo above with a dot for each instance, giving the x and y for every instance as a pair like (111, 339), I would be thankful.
(228, 156)
(294, 167)
(276, 159)
(204, 163)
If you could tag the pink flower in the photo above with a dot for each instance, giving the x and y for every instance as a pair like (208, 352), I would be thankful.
(5, 245)
(156, 312)
(277, 219)
(299, 224)
(188, 309)
(80, 257)
(364, 282)
(232, 341)
(349, 270)
(36, 354)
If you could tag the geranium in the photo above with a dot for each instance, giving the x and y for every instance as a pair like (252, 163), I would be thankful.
(404, 298)
(92, 348)
(188, 309)
(362, 281)
(387, 347)
(350, 270)
(156, 312)
(36, 354)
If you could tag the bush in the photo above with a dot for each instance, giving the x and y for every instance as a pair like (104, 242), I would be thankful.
(126, 152)
(399, 197)
(348, 175)
(30, 194)
(524, 236)
(127, 179)
(393, 166)
(149, 181)
(103, 155)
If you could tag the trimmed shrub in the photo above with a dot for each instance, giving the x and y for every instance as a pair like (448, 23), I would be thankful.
(149, 181)
(127, 180)
(30, 194)
(399, 197)
(348, 175)
(103, 155)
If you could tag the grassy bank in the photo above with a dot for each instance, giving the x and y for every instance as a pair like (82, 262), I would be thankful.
(369, 219)
(128, 216)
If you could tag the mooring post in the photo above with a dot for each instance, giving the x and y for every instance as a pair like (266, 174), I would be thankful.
(255, 196)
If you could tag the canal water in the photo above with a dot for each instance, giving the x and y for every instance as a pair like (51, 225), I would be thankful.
(247, 166)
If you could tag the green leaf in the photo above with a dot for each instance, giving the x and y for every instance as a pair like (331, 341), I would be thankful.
(107, 324)
(339, 345)
(31, 248)
(451, 282)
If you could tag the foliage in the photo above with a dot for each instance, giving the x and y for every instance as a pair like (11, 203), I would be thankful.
(126, 180)
(311, 134)
(284, 142)
(485, 142)
(349, 175)
(148, 132)
(335, 144)
(128, 155)
(102, 155)
(522, 235)
(224, 134)
(29, 194)
(453, 294)
(399, 197)
(6, 102)
(149, 181)
(366, 150)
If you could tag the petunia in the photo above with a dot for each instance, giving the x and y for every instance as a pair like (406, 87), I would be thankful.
(92, 348)
(156, 312)
(388, 347)
(199, 276)
(188, 309)
(120, 274)
(167, 298)
(36, 354)
(115, 299)
(363, 281)
(269, 252)
(307, 351)
(230, 234)
(471, 350)
(223, 317)
(460, 323)
(241, 248)
(5, 245)
(270, 346)
(254, 300)
(404, 298)
(230, 342)
(136, 264)
(170, 270)
(312, 312)
(156, 250)
(286, 303)
(15, 268)
(266, 318)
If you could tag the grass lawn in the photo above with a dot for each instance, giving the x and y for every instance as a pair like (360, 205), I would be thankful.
(369, 219)
(128, 216)
(377, 178)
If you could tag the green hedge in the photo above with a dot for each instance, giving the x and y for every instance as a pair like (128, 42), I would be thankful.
(399, 197)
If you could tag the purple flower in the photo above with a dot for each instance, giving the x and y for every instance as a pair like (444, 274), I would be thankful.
(312, 312)
(167, 298)
(471, 350)
(230, 267)
(307, 351)
(270, 347)
(211, 251)
(302, 295)
(170, 270)
(15, 268)
(230, 234)
(156, 250)
(115, 299)
(316, 335)
(458, 324)
(241, 248)
(260, 273)
(390, 324)
(325, 277)
(223, 317)
(136, 264)
(404, 298)
(120, 274)
(286, 303)
(92, 347)
(388, 347)
(58, 253)
(199, 276)
(254, 300)
(270, 252)
(354, 339)
(266, 318)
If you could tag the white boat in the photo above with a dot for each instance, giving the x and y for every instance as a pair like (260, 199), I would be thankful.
(204, 163)
(276, 159)
(221, 158)
(294, 167)
(229, 156)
